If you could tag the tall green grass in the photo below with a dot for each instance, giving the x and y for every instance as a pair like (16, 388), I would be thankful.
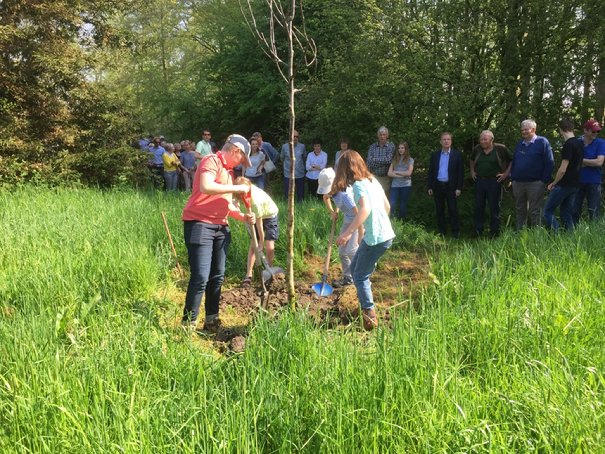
(504, 351)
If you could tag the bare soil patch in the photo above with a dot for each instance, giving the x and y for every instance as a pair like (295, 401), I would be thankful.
(400, 275)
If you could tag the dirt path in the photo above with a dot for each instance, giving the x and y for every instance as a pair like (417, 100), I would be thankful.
(398, 279)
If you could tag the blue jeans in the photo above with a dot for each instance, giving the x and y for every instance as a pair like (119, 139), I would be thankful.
(362, 267)
(398, 198)
(490, 191)
(258, 181)
(207, 246)
(592, 194)
(299, 188)
(172, 180)
(563, 197)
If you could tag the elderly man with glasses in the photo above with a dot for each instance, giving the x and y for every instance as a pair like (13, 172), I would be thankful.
(490, 166)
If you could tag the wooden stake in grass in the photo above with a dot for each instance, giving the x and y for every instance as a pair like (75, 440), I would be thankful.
(176, 259)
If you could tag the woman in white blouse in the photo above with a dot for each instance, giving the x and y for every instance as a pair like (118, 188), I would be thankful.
(316, 162)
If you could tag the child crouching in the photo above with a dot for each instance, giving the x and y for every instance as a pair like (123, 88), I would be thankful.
(267, 226)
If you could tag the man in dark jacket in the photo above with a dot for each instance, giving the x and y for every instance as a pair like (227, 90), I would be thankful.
(446, 175)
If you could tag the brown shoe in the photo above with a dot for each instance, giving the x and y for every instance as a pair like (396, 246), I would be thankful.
(370, 321)
(212, 326)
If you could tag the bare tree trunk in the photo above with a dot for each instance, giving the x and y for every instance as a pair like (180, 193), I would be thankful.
(600, 90)
(297, 38)
(291, 193)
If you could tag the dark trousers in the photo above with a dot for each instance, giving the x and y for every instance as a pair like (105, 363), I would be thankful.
(207, 246)
(398, 198)
(312, 186)
(563, 197)
(299, 188)
(444, 194)
(158, 176)
(592, 194)
(490, 191)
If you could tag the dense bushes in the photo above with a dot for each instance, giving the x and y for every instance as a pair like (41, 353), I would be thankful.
(103, 167)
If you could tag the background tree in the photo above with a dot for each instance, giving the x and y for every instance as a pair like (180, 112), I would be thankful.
(279, 19)
(79, 75)
(51, 113)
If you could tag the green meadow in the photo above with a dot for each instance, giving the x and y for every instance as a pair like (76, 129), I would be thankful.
(503, 351)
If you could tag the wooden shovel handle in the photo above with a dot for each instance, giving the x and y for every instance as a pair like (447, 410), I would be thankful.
(327, 264)
(176, 257)
(252, 232)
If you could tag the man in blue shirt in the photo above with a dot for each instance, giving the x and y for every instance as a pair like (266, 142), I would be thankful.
(590, 175)
(156, 162)
(188, 162)
(300, 156)
(446, 175)
(531, 171)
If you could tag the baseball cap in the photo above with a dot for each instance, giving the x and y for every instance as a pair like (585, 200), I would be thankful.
(241, 143)
(325, 180)
(592, 125)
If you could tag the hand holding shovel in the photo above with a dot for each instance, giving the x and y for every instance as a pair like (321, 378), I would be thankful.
(323, 288)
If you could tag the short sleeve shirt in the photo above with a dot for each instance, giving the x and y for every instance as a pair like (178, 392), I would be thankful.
(263, 205)
(377, 226)
(592, 175)
(345, 203)
(209, 208)
(573, 151)
(402, 182)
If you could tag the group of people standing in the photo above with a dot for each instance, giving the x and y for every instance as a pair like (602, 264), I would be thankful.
(174, 164)
(529, 167)
(369, 192)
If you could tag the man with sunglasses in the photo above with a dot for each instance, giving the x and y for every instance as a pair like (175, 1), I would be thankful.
(205, 146)
(206, 229)
(590, 175)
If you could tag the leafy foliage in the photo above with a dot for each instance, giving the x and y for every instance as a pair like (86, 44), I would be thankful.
(50, 105)
(79, 75)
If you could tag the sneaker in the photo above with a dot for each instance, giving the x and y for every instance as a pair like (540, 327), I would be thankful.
(370, 321)
(337, 283)
(188, 325)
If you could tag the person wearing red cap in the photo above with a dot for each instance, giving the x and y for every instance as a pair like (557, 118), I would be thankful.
(206, 230)
(590, 175)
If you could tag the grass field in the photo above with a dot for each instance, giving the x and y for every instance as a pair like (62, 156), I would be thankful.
(502, 352)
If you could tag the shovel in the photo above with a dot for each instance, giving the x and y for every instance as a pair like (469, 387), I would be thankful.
(323, 288)
(268, 271)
